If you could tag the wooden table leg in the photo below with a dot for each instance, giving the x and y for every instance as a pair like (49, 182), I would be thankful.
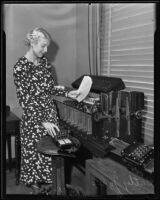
(58, 180)
(54, 176)
(91, 188)
(60, 177)
(9, 152)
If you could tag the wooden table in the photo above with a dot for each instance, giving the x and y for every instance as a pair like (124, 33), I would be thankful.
(47, 146)
(13, 129)
(116, 177)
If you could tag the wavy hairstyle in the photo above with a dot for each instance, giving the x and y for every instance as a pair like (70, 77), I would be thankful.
(35, 34)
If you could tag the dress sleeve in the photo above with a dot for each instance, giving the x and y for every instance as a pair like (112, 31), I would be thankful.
(29, 102)
(21, 82)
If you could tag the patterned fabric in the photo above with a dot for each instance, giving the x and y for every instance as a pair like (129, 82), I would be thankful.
(34, 86)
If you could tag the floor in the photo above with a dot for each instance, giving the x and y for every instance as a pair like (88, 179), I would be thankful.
(77, 180)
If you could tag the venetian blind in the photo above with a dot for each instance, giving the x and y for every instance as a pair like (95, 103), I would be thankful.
(127, 51)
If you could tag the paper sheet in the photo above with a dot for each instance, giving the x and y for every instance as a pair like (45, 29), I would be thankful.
(83, 89)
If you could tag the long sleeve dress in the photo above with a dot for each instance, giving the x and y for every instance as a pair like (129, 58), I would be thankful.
(34, 86)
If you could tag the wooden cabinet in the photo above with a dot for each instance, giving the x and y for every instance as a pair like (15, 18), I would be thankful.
(13, 129)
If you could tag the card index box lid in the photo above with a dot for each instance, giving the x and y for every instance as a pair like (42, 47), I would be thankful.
(101, 83)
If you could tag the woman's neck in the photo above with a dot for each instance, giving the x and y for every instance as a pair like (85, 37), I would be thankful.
(32, 58)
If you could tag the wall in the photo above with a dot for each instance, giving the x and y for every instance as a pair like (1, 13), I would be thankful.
(67, 24)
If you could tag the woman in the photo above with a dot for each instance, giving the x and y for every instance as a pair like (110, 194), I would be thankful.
(34, 86)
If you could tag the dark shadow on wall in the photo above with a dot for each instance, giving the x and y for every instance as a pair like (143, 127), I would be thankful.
(51, 55)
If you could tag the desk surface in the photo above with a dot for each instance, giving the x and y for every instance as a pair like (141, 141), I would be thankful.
(12, 117)
(120, 145)
(47, 146)
(12, 124)
(118, 177)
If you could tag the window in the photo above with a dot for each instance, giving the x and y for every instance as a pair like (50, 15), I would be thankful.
(127, 51)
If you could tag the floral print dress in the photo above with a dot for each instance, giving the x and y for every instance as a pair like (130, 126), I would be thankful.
(34, 86)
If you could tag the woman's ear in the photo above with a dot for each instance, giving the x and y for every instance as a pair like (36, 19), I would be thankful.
(32, 44)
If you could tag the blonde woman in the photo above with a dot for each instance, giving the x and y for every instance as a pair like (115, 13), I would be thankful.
(34, 86)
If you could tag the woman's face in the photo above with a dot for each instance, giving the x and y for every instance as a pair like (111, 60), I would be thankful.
(39, 48)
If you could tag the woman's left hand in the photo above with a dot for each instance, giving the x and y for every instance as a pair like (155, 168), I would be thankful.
(51, 128)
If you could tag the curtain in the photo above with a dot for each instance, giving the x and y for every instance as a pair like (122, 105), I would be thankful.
(94, 38)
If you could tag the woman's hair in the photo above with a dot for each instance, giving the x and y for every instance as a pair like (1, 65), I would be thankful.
(35, 34)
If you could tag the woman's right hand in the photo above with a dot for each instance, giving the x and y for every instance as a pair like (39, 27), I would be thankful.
(73, 94)
(50, 127)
